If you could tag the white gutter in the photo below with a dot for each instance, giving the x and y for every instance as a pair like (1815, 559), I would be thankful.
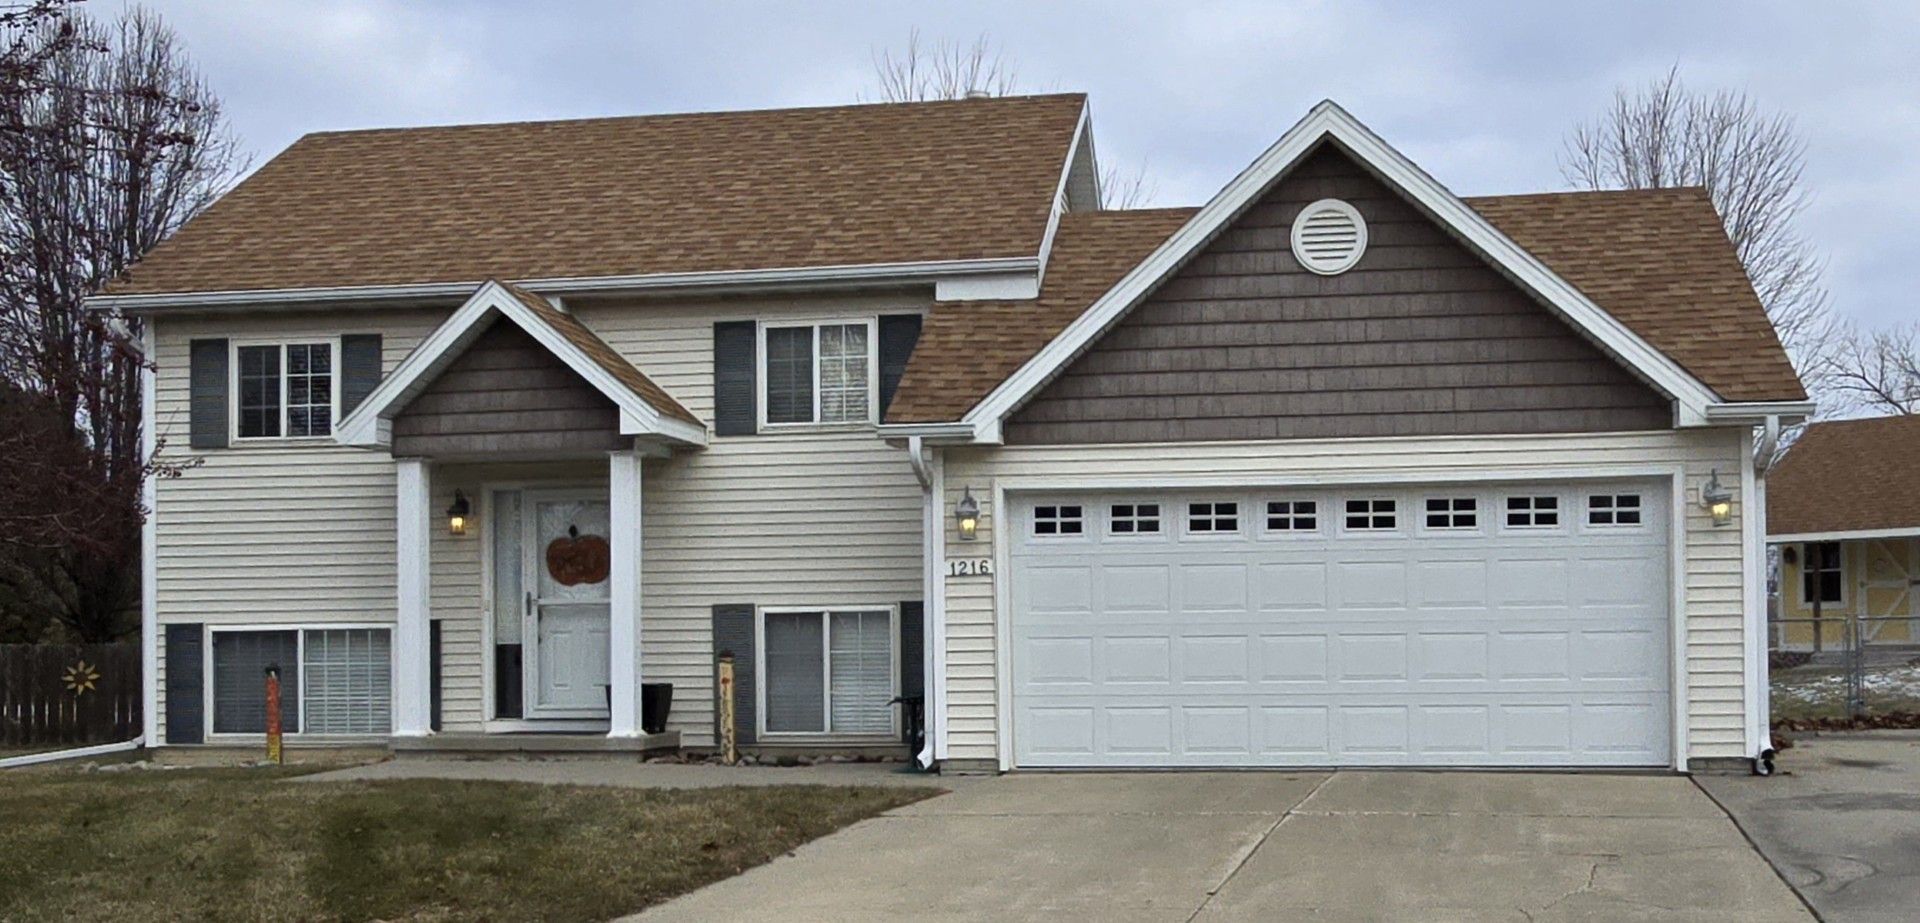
(1757, 412)
(854, 274)
(1855, 535)
(78, 753)
(932, 593)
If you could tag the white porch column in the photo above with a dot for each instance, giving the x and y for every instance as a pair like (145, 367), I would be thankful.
(412, 655)
(623, 631)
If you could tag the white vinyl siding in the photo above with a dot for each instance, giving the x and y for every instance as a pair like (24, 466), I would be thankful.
(1710, 591)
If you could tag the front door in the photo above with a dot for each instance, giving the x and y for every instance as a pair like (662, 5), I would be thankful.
(566, 557)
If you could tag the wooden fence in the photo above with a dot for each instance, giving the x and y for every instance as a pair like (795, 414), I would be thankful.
(69, 693)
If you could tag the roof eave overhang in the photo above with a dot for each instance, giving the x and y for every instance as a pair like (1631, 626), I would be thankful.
(1757, 412)
(370, 424)
(1327, 121)
(869, 275)
(1845, 535)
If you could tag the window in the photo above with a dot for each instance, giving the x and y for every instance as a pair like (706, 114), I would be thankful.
(1820, 574)
(820, 373)
(1453, 513)
(1293, 516)
(828, 672)
(1213, 518)
(285, 390)
(1533, 512)
(1370, 515)
(335, 681)
(1134, 519)
(348, 676)
(1613, 510)
(1058, 520)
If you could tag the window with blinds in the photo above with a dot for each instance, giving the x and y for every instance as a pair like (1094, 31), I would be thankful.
(828, 672)
(240, 661)
(349, 681)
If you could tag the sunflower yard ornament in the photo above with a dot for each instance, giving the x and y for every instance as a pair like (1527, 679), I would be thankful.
(81, 678)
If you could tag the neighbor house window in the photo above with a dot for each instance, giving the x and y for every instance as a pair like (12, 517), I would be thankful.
(818, 373)
(336, 681)
(1820, 577)
(828, 672)
(284, 390)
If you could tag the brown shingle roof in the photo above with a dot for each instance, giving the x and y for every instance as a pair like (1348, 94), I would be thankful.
(771, 189)
(967, 347)
(1657, 260)
(597, 349)
(1848, 476)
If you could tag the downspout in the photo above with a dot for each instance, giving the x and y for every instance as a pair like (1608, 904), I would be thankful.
(933, 622)
(1764, 452)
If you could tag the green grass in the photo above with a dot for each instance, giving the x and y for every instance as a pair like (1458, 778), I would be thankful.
(1820, 690)
(243, 844)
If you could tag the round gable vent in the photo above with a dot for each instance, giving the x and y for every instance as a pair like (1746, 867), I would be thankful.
(1329, 237)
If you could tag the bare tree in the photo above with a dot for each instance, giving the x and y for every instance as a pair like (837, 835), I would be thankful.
(109, 145)
(1876, 373)
(1750, 162)
(919, 72)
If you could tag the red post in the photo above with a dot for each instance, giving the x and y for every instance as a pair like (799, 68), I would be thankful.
(274, 754)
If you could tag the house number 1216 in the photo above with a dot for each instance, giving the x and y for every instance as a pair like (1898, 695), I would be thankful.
(969, 567)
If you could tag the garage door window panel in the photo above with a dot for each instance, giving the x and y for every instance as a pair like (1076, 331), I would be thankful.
(1213, 519)
(1451, 514)
(828, 672)
(1614, 511)
(1133, 520)
(1059, 520)
(1371, 514)
(1293, 517)
(1533, 512)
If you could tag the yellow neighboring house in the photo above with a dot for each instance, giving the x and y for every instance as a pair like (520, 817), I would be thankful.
(1843, 510)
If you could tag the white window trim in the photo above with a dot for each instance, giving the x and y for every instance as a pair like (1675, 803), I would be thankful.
(826, 674)
(872, 323)
(1319, 517)
(1394, 509)
(1807, 559)
(233, 389)
(1561, 507)
(1239, 529)
(299, 630)
(1479, 512)
(1587, 511)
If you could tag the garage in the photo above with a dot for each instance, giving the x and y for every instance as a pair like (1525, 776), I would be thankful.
(1508, 624)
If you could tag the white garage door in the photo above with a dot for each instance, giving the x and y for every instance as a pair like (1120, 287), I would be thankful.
(1508, 625)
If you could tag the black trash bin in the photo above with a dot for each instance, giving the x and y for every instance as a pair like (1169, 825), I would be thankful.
(656, 700)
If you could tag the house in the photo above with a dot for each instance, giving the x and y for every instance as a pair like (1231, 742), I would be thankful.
(1843, 510)
(499, 424)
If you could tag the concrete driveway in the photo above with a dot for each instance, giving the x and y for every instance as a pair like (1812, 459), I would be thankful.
(1841, 820)
(1273, 846)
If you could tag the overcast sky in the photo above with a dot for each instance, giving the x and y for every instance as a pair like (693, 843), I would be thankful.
(1481, 94)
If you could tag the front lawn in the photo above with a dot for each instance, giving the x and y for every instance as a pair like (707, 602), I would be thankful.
(244, 844)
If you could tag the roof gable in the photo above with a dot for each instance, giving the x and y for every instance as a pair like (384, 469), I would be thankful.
(653, 195)
(1420, 337)
(645, 408)
(1329, 123)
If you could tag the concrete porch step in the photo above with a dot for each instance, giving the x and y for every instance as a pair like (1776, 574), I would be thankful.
(536, 744)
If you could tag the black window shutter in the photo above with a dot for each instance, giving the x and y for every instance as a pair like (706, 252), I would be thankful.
(359, 369)
(912, 648)
(185, 689)
(733, 633)
(207, 382)
(733, 378)
(435, 697)
(898, 333)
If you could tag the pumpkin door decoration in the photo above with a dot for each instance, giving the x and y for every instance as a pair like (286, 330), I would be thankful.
(576, 559)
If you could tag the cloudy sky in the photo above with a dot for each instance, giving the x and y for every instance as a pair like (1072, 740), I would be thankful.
(1479, 93)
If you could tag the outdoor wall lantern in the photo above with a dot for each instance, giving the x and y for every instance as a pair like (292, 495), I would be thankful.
(457, 514)
(966, 515)
(1717, 499)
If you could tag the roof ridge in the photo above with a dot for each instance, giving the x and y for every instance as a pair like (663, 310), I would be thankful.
(693, 114)
(1589, 193)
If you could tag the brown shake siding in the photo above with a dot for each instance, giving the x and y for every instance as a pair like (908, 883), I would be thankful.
(507, 394)
(1422, 337)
